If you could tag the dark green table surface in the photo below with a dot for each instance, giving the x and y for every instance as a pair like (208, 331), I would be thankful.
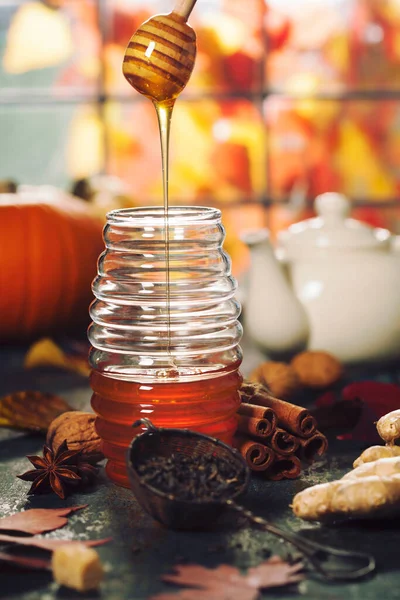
(142, 550)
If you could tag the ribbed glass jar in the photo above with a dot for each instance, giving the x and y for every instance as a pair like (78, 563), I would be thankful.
(165, 333)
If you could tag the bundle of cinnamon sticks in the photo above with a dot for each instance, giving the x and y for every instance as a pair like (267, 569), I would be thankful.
(275, 436)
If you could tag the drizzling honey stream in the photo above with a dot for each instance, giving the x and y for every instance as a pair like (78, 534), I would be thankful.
(158, 63)
(165, 332)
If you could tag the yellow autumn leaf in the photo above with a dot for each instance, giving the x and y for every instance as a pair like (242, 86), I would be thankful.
(31, 410)
(46, 353)
(391, 11)
(360, 165)
(396, 45)
(337, 51)
(321, 114)
(38, 37)
(85, 148)
(232, 36)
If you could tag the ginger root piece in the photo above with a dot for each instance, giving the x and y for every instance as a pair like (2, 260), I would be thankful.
(77, 567)
(375, 453)
(365, 497)
(383, 467)
(371, 490)
(388, 427)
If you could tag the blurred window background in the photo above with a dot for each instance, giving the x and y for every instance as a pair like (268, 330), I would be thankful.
(288, 99)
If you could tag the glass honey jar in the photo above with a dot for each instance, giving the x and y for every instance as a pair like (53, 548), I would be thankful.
(165, 332)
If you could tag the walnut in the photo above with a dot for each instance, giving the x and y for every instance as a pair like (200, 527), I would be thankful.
(281, 379)
(77, 428)
(317, 369)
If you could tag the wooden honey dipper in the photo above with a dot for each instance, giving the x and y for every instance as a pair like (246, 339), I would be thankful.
(160, 56)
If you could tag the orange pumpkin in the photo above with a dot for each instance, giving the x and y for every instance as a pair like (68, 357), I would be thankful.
(49, 245)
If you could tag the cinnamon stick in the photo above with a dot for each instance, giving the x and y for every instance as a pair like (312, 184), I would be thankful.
(259, 412)
(309, 449)
(295, 419)
(284, 467)
(250, 390)
(283, 443)
(257, 428)
(257, 456)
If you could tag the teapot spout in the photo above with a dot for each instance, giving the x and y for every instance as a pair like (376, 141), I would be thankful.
(274, 318)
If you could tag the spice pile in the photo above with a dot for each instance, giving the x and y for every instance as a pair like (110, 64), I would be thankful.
(275, 436)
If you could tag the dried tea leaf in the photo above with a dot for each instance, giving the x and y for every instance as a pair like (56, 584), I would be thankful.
(26, 562)
(38, 520)
(46, 353)
(227, 583)
(48, 543)
(31, 410)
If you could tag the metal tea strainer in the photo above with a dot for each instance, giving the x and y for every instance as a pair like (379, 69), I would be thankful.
(176, 513)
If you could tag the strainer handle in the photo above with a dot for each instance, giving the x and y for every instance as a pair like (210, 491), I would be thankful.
(146, 422)
(314, 552)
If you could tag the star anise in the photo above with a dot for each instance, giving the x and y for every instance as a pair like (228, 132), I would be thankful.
(58, 471)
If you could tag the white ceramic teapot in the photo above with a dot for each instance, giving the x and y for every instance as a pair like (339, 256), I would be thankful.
(332, 283)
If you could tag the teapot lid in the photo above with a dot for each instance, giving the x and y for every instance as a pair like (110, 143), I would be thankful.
(332, 229)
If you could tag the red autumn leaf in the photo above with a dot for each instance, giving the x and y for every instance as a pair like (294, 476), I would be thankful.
(326, 399)
(341, 415)
(379, 396)
(38, 520)
(26, 562)
(365, 430)
(227, 583)
(48, 543)
(356, 410)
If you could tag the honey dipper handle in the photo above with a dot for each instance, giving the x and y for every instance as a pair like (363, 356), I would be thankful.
(183, 8)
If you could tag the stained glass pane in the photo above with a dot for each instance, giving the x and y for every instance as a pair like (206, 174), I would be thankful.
(331, 126)
(216, 150)
(48, 52)
(50, 144)
(325, 145)
(229, 41)
(333, 45)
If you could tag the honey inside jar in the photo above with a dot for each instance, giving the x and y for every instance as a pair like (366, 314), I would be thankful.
(205, 405)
